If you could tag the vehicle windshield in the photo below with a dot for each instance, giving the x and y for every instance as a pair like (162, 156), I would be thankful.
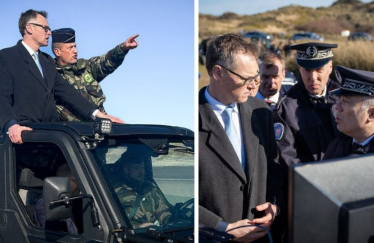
(152, 180)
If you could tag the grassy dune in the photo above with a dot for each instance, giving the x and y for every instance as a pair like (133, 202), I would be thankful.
(284, 22)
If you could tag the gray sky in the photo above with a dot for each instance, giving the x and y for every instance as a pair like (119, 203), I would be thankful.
(218, 7)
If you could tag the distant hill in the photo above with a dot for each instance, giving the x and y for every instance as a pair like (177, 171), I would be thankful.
(352, 15)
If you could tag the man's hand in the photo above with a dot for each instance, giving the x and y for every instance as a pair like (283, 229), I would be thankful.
(130, 43)
(112, 118)
(246, 231)
(15, 131)
(143, 225)
(270, 210)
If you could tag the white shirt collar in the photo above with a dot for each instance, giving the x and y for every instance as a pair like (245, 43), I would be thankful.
(274, 98)
(364, 142)
(31, 51)
(322, 95)
(217, 106)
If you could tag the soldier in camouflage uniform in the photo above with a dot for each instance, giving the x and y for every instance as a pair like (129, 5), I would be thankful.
(142, 200)
(85, 75)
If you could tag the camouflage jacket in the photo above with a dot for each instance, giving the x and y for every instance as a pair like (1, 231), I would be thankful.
(85, 76)
(152, 207)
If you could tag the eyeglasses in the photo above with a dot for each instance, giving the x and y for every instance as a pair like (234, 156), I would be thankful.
(45, 27)
(246, 80)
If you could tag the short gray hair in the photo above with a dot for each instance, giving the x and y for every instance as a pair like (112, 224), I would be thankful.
(55, 45)
(366, 104)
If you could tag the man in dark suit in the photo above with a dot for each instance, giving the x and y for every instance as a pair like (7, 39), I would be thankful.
(354, 114)
(30, 84)
(239, 179)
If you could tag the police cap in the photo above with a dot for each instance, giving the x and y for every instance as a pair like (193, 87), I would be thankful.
(354, 82)
(313, 55)
(65, 35)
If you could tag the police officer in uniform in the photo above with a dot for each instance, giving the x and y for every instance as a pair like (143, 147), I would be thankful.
(303, 120)
(354, 114)
(85, 75)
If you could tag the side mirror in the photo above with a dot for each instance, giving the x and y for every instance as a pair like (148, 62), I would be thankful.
(56, 188)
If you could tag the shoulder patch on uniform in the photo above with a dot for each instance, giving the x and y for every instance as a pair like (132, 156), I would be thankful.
(88, 78)
(278, 129)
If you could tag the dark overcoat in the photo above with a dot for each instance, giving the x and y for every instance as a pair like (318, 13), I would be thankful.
(342, 147)
(226, 191)
(28, 97)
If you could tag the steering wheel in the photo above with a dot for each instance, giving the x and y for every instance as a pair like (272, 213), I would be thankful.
(186, 210)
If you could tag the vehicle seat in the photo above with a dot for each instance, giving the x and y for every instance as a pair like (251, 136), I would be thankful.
(34, 188)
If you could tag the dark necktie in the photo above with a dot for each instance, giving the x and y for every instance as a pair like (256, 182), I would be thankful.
(357, 149)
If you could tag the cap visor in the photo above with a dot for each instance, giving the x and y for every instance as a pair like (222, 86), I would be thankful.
(312, 64)
(336, 91)
(342, 91)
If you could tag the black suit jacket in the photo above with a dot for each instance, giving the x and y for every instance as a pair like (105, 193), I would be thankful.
(28, 97)
(226, 191)
(341, 146)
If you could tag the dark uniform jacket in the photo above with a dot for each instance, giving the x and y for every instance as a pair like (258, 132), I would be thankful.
(342, 147)
(304, 126)
(26, 96)
(226, 191)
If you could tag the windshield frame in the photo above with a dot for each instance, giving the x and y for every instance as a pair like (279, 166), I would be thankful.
(189, 140)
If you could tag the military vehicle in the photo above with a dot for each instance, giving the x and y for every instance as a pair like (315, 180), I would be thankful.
(95, 153)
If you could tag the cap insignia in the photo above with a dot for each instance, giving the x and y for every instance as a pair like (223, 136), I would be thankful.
(312, 51)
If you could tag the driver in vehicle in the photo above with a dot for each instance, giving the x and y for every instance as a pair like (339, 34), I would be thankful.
(67, 225)
(144, 203)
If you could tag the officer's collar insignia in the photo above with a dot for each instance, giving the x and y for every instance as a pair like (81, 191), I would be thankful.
(278, 129)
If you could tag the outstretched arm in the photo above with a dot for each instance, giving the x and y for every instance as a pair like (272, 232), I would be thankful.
(104, 65)
(130, 43)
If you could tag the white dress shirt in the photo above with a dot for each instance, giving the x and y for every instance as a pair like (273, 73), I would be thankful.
(218, 109)
(31, 51)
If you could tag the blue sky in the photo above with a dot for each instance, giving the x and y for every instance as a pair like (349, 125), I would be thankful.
(218, 7)
(155, 84)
